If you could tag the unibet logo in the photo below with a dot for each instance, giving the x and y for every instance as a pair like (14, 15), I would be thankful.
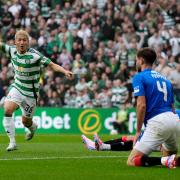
(89, 121)
(46, 122)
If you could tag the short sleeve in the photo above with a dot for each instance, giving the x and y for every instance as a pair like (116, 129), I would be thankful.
(45, 61)
(138, 86)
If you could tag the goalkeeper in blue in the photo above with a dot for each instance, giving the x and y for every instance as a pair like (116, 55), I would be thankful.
(24, 91)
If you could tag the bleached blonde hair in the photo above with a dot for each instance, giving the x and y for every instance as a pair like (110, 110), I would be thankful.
(22, 32)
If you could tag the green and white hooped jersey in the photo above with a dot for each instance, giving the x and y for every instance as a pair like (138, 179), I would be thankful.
(27, 69)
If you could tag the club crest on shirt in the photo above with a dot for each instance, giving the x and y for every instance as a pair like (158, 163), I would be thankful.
(136, 89)
(27, 61)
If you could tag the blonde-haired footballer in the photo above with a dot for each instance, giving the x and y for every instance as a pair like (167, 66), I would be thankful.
(24, 91)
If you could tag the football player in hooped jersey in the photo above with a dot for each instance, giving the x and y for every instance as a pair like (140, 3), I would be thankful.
(154, 95)
(25, 89)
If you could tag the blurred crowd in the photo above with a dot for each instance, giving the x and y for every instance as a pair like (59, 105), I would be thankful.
(98, 41)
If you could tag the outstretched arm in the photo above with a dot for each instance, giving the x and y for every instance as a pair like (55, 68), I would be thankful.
(60, 69)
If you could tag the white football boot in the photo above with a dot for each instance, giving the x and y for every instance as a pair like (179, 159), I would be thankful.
(11, 147)
(90, 145)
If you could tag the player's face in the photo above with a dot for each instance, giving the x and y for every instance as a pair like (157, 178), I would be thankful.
(22, 43)
(138, 64)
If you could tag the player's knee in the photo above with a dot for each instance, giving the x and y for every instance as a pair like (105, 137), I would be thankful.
(134, 161)
(9, 108)
(130, 162)
(8, 112)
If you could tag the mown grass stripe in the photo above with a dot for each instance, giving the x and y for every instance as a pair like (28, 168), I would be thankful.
(60, 157)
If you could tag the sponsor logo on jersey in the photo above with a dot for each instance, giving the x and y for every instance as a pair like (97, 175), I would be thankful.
(27, 61)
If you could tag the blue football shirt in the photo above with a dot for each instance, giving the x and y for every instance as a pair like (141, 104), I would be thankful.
(157, 90)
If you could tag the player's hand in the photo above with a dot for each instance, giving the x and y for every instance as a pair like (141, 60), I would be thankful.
(136, 137)
(68, 74)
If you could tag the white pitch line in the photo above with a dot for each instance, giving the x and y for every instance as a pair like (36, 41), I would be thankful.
(61, 157)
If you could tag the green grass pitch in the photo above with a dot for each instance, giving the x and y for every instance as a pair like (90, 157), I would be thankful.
(64, 157)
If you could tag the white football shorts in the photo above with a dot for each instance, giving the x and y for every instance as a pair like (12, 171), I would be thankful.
(162, 129)
(26, 104)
